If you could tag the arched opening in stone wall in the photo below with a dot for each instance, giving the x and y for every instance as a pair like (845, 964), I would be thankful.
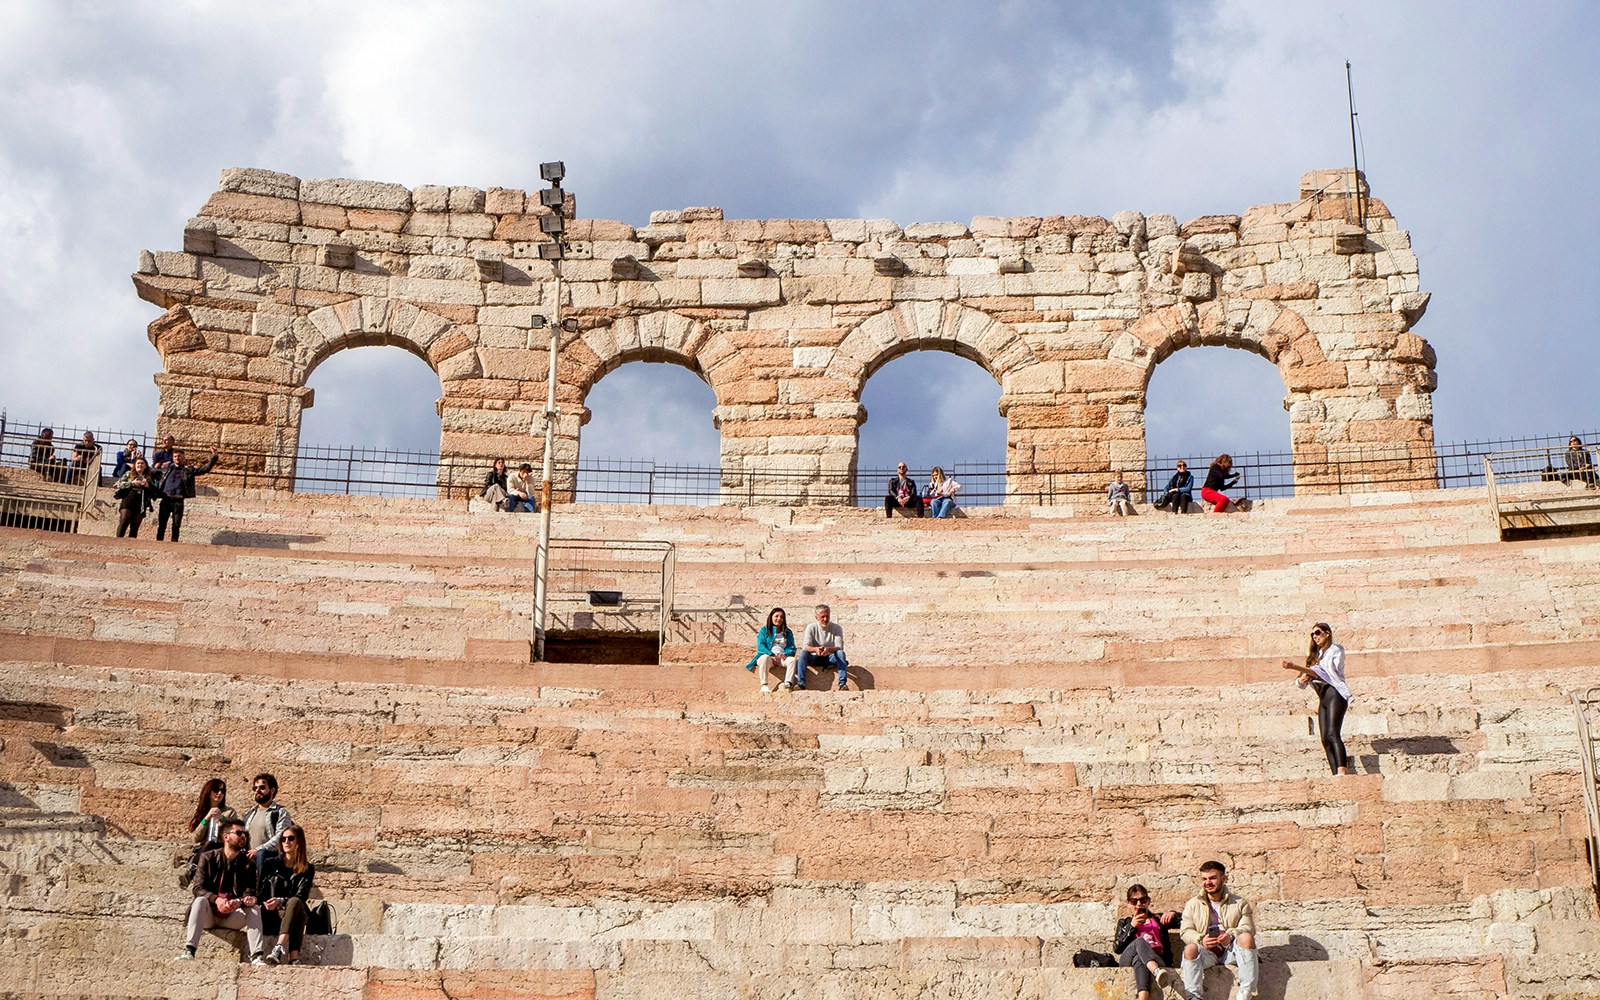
(373, 427)
(1205, 401)
(932, 407)
(650, 437)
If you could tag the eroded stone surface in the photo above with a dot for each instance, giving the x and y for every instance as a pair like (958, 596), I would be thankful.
(785, 319)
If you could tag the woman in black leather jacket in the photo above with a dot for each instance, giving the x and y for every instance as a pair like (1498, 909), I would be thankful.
(285, 884)
(1143, 942)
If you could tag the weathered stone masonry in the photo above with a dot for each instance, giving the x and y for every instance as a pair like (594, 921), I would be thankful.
(786, 319)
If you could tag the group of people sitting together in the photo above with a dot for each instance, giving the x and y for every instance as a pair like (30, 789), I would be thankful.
(1179, 491)
(821, 646)
(937, 499)
(165, 481)
(1215, 927)
(513, 493)
(248, 873)
(43, 460)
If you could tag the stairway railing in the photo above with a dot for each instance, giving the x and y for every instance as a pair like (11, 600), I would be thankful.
(1587, 706)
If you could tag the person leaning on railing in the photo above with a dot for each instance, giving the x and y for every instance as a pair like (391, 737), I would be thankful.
(85, 457)
(1579, 465)
(42, 457)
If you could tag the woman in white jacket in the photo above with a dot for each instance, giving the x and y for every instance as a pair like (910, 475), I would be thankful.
(1324, 671)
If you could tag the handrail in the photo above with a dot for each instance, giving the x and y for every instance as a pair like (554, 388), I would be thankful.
(1582, 703)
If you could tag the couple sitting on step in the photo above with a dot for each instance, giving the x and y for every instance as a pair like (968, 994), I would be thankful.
(513, 493)
(821, 646)
(1215, 927)
(937, 500)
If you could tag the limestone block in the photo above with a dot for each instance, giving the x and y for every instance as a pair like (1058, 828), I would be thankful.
(431, 198)
(252, 208)
(248, 180)
(936, 231)
(348, 193)
(813, 357)
(740, 291)
(1198, 286)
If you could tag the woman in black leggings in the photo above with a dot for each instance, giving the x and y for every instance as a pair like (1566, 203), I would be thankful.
(1324, 671)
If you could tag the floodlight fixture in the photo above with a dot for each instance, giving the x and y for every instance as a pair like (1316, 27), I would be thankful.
(551, 251)
(552, 223)
(538, 322)
(570, 325)
(553, 172)
(552, 197)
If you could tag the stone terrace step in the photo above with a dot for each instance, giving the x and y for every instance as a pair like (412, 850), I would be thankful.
(646, 835)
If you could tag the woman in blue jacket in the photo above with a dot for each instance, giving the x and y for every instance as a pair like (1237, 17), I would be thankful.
(1179, 491)
(774, 645)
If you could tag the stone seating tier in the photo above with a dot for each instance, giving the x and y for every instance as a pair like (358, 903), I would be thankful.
(422, 579)
(882, 843)
(956, 830)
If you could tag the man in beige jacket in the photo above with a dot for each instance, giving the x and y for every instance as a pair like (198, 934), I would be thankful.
(1218, 926)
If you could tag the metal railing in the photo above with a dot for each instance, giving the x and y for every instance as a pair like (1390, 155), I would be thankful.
(1586, 704)
(607, 585)
(400, 473)
(1541, 488)
(40, 488)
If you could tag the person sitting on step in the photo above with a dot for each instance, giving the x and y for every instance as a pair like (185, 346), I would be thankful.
(1219, 927)
(1217, 480)
(1118, 496)
(940, 495)
(205, 826)
(774, 648)
(225, 894)
(1579, 465)
(494, 485)
(1179, 491)
(1143, 940)
(902, 493)
(285, 888)
(823, 645)
(521, 491)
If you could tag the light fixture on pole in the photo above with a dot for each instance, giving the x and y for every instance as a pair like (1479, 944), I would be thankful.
(553, 225)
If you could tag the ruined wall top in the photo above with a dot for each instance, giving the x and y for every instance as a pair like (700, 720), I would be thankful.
(786, 318)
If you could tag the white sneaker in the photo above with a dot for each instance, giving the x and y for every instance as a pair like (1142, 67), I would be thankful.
(258, 960)
(785, 686)
(765, 689)
(183, 956)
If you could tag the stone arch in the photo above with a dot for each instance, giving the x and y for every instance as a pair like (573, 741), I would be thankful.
(942, 326)
(961, 330)
(1260, 326)
(370, 321)
(655, 336)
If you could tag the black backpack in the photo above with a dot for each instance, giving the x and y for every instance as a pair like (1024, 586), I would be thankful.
(320, 918)
(1086, 959)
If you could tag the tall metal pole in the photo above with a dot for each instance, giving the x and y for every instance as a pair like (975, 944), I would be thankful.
(1355, 164)
(542, 557)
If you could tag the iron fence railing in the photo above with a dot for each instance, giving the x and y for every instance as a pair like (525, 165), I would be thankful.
(401, 473)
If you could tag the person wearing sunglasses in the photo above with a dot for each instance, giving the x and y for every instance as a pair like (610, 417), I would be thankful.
(1143, 940)
(225, 894)
(1324, 672)
(284, 890)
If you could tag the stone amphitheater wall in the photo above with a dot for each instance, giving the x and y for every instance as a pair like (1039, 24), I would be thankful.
(785, 319)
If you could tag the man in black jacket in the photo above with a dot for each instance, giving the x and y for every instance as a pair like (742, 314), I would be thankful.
(902, 492)
(225, 894)
(176, 482)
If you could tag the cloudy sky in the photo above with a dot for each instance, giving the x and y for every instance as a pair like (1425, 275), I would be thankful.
(1479, 123)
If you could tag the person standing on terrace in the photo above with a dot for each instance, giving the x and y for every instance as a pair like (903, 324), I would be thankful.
(134, 492)
(1324, 671)
(175, 480)
(824, 642)
(1217, 480)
